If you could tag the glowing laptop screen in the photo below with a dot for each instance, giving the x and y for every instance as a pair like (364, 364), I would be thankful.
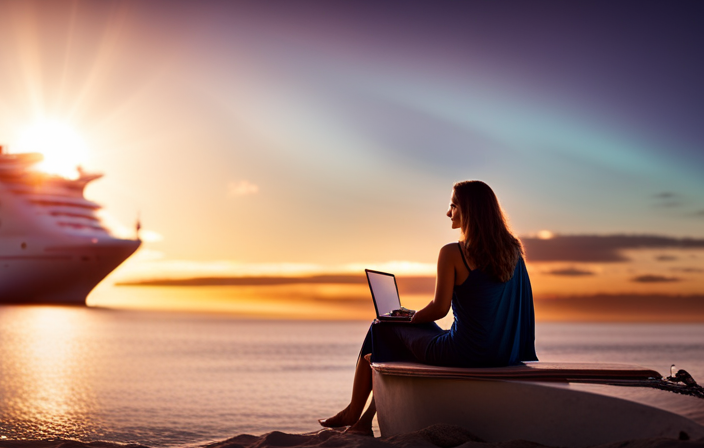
(384, 292)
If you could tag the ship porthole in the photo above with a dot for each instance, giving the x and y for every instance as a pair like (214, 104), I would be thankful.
(23, 245)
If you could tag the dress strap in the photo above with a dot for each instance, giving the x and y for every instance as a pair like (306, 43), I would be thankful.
(459, 245)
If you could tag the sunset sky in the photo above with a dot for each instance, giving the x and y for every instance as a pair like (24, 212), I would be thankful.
(301, 137)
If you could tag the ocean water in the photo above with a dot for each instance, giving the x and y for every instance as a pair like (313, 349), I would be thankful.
(177, 379)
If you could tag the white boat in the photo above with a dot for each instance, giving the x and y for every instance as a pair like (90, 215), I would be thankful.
(556, 404)
(53, 246)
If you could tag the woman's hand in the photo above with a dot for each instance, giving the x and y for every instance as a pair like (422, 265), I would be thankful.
(444, 284)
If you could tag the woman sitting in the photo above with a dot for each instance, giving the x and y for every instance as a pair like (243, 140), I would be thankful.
(483, 278)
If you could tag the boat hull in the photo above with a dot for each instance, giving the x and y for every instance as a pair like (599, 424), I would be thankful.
(551, 413)
(60, 274)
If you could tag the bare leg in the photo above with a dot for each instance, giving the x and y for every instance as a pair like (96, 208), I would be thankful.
(361, 387)
(364, 424)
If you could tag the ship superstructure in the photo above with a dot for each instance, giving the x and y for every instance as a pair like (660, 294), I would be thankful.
(53, 246)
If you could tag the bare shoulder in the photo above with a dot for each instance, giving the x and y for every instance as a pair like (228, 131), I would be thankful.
(453, 254)
(450, 251)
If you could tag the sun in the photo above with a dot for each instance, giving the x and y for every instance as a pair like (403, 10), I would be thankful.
(62, 147)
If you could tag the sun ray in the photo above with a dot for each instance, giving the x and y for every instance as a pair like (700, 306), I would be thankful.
(109, 45)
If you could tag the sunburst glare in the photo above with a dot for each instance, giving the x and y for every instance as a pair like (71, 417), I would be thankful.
(62, 147)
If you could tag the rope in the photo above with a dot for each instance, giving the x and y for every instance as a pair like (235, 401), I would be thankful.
(688, 386)
(680, 383)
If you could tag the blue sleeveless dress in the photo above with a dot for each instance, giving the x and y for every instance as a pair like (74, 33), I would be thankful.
(494, 326)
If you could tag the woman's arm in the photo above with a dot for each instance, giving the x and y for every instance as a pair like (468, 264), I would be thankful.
(444, 284)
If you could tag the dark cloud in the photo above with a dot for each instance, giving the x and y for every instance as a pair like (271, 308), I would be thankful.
(699, 213)
(250, 281)
(667, 199)
(654, 279)
(666, 258)
(669, 204)
(570, 272)
(688, 270)
(406, 285)
(599, 248)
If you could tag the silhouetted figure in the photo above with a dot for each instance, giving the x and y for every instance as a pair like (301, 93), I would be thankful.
(484, 279)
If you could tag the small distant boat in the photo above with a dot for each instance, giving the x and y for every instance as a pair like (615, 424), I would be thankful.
(53, 247)
(557, 404)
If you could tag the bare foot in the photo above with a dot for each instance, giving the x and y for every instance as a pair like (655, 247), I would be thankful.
(363, 426)
(360, 430)
(340, 419)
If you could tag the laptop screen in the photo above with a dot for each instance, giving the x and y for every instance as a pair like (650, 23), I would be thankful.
(384, 291)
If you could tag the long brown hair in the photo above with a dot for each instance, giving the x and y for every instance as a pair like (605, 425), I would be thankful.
(488, 241)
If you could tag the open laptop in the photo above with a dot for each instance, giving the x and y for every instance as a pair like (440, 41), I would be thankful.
(386, 300)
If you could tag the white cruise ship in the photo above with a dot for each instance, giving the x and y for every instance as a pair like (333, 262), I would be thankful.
(53, 247)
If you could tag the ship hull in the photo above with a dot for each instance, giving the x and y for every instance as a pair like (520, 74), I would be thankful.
(62, 273)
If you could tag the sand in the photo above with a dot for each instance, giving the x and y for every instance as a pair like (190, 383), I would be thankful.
(436, 436)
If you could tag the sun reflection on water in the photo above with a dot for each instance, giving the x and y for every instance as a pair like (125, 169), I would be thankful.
(43, 381)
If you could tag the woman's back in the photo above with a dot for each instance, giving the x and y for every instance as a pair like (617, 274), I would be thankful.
(494, 322)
